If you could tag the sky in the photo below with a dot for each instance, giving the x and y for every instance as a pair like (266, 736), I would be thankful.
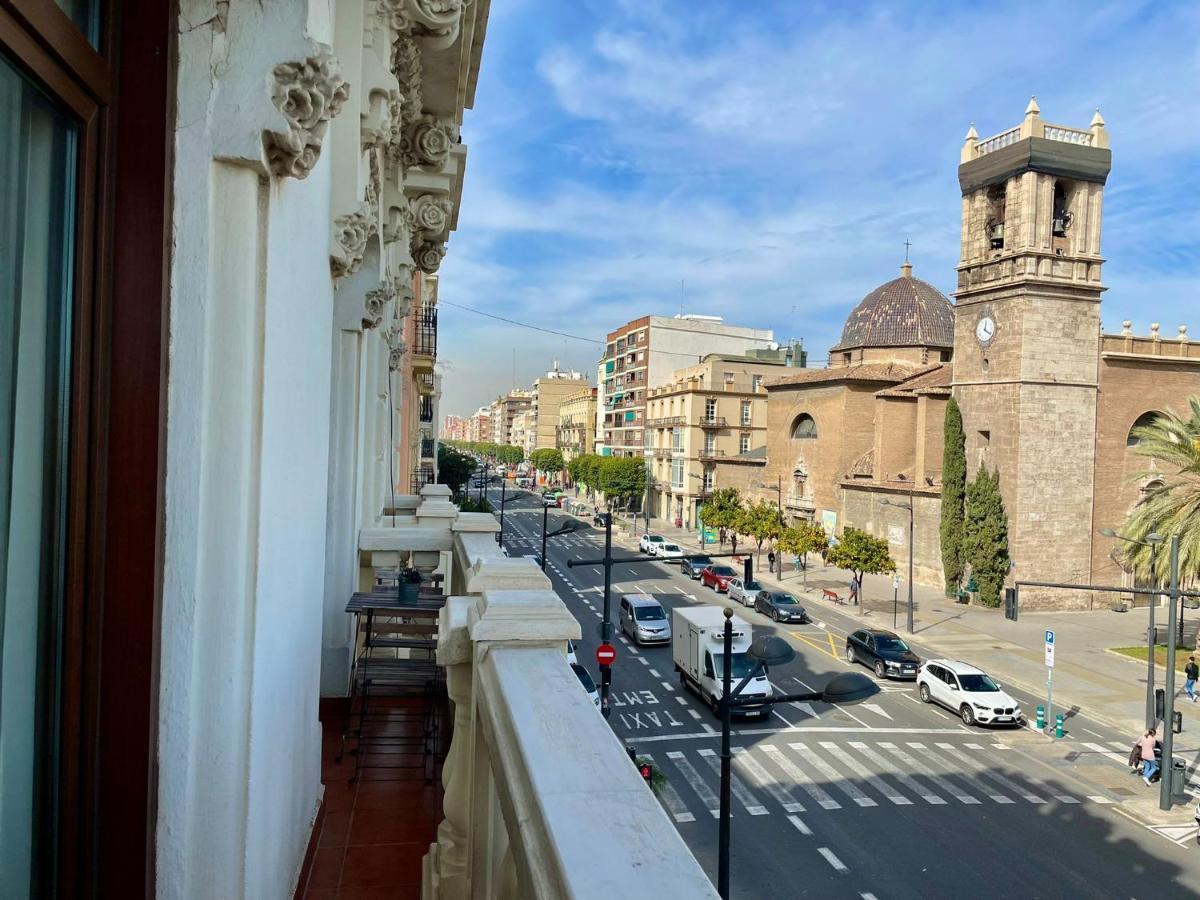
(766, 160)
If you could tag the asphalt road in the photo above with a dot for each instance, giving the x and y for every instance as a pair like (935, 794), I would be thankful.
(891, 798)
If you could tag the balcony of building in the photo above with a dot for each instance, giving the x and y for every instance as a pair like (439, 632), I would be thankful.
(708, 453)
(426, 409)
(425, 382)
(465, 787)
(425, 330)
(428, 448)
(712, 422)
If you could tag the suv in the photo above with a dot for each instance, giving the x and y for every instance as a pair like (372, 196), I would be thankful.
(549, 498)
(718, 577)
(693, 567)
(883, 651)
(743, 592)
(601, 518)
(967, 691)
(650, 543)
(643, 619)
(668, 552)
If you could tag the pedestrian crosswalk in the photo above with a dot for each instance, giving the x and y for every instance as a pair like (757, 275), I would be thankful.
(792, 777)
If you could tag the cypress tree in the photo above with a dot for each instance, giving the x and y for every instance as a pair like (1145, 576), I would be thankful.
(985, 535)
(954, 483)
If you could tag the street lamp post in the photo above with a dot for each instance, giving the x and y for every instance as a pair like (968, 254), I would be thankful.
(1152, 541)
(1164, 792)
(500, 533)
(909, 507)
(766, 651)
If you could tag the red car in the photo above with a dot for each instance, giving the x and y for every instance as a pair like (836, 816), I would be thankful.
(717, 577)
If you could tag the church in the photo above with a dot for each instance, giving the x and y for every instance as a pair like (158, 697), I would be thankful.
(1048, 399)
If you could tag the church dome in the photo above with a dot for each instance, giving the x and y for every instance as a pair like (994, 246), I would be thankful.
(904, 312)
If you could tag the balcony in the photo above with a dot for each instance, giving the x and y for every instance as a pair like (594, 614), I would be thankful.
(711, 453)
(425, 333)
(667, 421)
(712, 422)
(426, 410)
(427, 448)
(425, 383)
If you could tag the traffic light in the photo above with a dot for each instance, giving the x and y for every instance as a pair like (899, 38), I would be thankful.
(647, 771)
(1160, 703)
(1010, 603)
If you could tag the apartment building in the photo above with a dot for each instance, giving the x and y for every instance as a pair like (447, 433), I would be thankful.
(454, 428)
(644, 354)
(713, 412)
(577, 423)
(524, 431)
(504, 410)
(416, 408)
(549, 392)
(479, 427)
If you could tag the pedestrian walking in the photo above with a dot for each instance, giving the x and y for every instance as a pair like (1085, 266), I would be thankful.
(1190, 673)
(1149, 763)
(854, 591)
(771, 561)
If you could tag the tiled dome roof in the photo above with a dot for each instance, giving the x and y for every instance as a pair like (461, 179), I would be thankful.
(905, 312)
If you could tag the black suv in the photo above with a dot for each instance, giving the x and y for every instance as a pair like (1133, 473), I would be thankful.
(883, 651)
(694, 566)
(601, 518)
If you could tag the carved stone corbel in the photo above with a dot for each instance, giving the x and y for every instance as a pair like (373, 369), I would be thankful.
(431, 213)
(350, 235)
(428, 256)
(427, 142)
(308, 94)
(437, 21)
(376, 302)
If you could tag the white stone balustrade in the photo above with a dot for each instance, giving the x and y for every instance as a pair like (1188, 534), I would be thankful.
(541, 800)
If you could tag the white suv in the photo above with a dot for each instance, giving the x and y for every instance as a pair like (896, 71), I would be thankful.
(650, 543)
(967, 691)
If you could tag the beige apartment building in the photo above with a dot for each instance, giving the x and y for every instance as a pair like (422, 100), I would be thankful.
(523, 433)
(549, 392)
(577, 423)
(504, 410)
(710, 413)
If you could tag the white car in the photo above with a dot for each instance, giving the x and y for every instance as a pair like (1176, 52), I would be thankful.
(571, 657)
(585, 679)
(967, 691)
(668, 552)
(743, 592)
(648, 543)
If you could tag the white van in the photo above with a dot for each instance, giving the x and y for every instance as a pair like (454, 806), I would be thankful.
(698, 650)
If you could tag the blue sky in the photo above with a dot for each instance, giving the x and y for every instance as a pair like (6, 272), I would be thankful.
(766, 161)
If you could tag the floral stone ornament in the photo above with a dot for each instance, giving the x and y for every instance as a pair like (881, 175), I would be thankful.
(308, 94)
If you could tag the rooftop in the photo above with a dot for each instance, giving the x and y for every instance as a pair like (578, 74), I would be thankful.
(903, 312)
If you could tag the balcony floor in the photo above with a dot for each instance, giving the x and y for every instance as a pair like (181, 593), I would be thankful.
(372, 835)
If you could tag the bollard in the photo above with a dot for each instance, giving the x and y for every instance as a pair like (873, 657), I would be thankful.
(1058, 725)
(1041, 718)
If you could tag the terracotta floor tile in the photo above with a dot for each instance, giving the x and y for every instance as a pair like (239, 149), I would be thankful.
(335, 829)
(392, 826)
(383, 865)
(398, 794)
(327, 869)
(377, 893)
(339, 796)
(322, 895)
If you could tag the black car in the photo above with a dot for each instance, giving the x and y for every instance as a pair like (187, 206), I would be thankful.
(601, 518)
(780, 606)
(884, 652)
(694, 566)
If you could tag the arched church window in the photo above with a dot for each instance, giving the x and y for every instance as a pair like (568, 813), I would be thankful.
(804, 427)
(1146, 418)
(1062, 212)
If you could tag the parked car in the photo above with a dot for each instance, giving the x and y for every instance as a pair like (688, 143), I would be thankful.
(717, 577)
(780, 606)
(668, 552)
(571, 657)
(589, 685)
(742, 591)
(694, 566)
(643, 619)
(967, 691)
(601, 518)
(648, 543)
(883, 651)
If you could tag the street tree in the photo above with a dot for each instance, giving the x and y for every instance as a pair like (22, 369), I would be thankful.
(721, 511)
(760, 522)
(622, 478)
(547, 459)
(454, 467)
(985, 535)
(862, 554)
(801, 540)
(510, 455)
(954, 486)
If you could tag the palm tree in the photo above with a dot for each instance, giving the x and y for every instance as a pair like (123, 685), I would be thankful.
(1170, 503)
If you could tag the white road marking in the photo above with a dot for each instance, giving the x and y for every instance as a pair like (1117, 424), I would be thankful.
(832, 860)
(739, 790)
(805, 708)
(1096, 798)
(668, 686)
(819, 624)
(867, 895)
(952, 751)
(776, 714)
(642, 660)
(1104, 751)
(673, 801)
(876, 708)
(654, 672)
(974, 746)
(832, 776)
(694, 714)
(929, 772)
(798, 775)
(903, 777)
(800, 826)
(682, 701)
(697, 784)
(763, 779)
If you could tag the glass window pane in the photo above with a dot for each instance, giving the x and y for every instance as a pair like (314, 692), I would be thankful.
(86, 16)
(37, 180)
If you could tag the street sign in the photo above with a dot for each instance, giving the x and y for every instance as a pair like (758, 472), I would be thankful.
(606, 654)
(1049, 649)
(896, 581)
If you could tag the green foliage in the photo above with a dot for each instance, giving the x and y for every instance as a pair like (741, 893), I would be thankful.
(722, 510)
(862, 554)
(474, 504)
(985, 535)
(547, 459)
(803, 539)
(1170, 444)
(454, 467)
(622, 477)
(954, 486)
(762, 521)
(585, 469)
(510, 455)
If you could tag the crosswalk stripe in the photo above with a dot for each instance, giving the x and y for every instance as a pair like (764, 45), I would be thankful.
(955, 753)
(794, 772)
(1096, 798)
(740, 790)
(902, 777)
(1124, 748)
(876, 781)
(763, 779)
(832, 860)
(673, 801)
(1105, 752)
(832, 775)
(800, 826)
(927, 766)
(697, 784)
(1007, 783)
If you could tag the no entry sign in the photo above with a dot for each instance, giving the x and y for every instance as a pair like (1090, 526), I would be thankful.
(606, 654)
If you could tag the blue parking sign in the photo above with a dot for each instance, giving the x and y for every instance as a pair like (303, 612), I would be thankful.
(1049, 637)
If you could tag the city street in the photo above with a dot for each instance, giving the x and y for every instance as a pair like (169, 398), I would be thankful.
(889, 798)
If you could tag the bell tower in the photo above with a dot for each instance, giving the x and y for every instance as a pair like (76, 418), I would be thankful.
(1026, 334)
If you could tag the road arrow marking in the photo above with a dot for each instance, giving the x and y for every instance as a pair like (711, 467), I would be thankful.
(1176, 833)
(875, 708)
(805, 708)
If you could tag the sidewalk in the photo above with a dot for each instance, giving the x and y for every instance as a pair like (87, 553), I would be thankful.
(1109, 687)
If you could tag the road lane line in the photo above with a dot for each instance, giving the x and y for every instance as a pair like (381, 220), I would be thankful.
(798, 775)
(670, 688)
(1105, 752)
(800, 826)
(654, 672)
(740, 790)
(674, 803)
(695, 715)
(697, 784)
(832, 860)
(682, 701)
(761, 778)
(927, 769)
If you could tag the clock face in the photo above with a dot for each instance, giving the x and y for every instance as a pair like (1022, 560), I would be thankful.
(985, 329)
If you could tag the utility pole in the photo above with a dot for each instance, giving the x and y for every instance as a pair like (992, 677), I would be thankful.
(1164, 793)
(726, 757)
(911, 544)
(500, 533)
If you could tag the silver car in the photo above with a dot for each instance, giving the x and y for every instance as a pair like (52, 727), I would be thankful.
(643, 619)
(743, 592)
